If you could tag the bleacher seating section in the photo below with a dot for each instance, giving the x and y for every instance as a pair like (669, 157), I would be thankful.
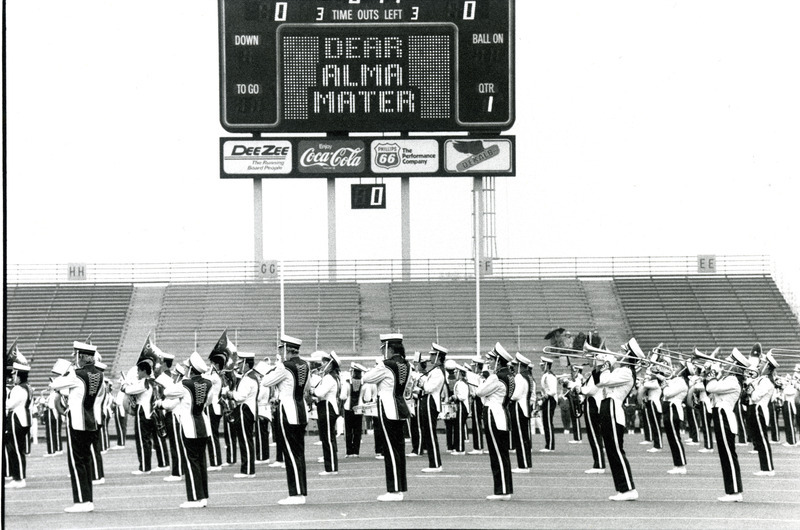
(517, 313)
(46, 318)
(324, 315)
(708, 311)
(683, 312)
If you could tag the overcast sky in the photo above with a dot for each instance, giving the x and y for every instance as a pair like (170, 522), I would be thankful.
(643, 128)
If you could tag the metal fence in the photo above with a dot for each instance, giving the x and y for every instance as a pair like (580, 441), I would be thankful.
(385, 270)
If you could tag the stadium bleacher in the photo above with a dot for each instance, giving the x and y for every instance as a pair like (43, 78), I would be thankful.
(46, 318)
(682, 311)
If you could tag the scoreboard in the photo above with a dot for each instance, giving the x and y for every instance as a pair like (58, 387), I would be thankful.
(366, 65)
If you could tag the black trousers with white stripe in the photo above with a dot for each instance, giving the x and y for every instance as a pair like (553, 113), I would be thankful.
(144, 431)
(277, 435)
(741, 420)
(79, 461)
(394, 451)
(497, 443)
(613, 440)
(761, 441)
(246, 431)
(326, 423)
(229, 430)
(194, 456)
(175, 440)
(52, 431)
(430, 441)
(706, 422)
(789, 423)
(214, 449)
(353, 429)
(121, 424)
(692, 424)
(591, 415)
(97, 456)
(654, 420)
(460, 434)
(294, 456)
(726, 443)
(521, 433)
(775, 433)
(477, 423)
(672, 426)
(262, 438)
(415, 429)
(15, 448)
(548, 410)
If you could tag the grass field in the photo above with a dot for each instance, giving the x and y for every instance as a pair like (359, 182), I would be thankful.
(557, 494)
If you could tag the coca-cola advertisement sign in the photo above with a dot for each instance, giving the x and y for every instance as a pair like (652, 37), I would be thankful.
(332, 156)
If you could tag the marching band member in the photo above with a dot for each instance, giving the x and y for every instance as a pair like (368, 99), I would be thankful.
(654, 410)
(263, 419)
(674, 388)
(476, 410)
(461, 400)
(373, 419)
(392, 376)
(790, 410)
(119, 407)
(760, 391)
(53, 419)
(82, 385)
(549, 403)
(496, 391)
(107, 411)
(591, 414)
(218, 360)
(141, 390)
(519, 402)
(244, 396)
(698, 388)
(327, 395)
(189, 401)
(616, 382)
(98, 473)
(432, 383)
(291, 379)
(448, 402)
(691, 405)
(415, 421)
(724, 390)
(18, 421)
(352, 394)
(173, 427)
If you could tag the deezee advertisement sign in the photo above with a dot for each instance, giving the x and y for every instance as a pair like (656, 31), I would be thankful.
(331, 156)
(257, 157)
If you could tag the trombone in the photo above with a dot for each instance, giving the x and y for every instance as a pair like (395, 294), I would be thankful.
(748, 373)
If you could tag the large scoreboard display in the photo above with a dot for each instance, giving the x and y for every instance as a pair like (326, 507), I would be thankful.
(366, 65)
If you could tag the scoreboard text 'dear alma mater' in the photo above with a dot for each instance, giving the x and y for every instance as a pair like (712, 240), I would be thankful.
(366, 65)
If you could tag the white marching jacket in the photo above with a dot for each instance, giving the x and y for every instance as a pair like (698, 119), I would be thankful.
(617, 384)
(674, 393)
(493, 392)
(724, 394)
(383, 378)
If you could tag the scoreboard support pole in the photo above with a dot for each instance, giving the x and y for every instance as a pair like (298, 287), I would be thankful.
(258, 222)
(477, 200)
(405, 226)
(332, 228)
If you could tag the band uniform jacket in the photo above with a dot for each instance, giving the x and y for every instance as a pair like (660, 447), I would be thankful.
(549, 385)
(18, 404)
(520, 394)
(617, 384)
(350, 393)
(188, 401)
(142, 391)
(592, 391)
(433, 384)
(246, 392)
(328, 390)
(291, 379)
(83, 385)
(461, 392)
(724, 394)
(763, 390)
(494, 392)
(216, 389)
(653, 390)
(674, 391)
(263, 403)
(391, 376)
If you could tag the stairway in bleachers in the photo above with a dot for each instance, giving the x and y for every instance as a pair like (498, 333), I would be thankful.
(324, 315)
(46, 318)
(146, 302)
(707, 312)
